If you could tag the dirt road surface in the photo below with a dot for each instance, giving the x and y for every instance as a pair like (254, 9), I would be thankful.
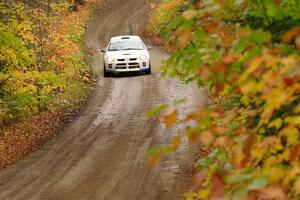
(101, 156)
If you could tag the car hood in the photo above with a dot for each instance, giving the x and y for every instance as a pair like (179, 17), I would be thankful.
(127, 54)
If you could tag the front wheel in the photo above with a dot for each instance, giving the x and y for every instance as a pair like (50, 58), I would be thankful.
(105, 73)
(149, 71)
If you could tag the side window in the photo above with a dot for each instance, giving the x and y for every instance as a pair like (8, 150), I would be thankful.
(145, 47)
(109, 45)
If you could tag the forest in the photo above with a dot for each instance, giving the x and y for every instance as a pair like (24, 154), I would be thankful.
(41, 58)
(43, 70)
(246, 52)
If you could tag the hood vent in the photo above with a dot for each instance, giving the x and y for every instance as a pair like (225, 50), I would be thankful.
(126, 54)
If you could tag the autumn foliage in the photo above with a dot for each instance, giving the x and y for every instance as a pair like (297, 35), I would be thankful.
(247, 53)
(42, 65)
(44, 77)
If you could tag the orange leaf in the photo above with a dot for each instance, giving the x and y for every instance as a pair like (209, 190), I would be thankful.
(274, 51)
(221, 141)
(220, 130)
(294, 154)
(191, 116)
(184, 39)
(297, 42)
(217, 189)
(207, 138)
(230, 115)
(247, 149)
(205, 73)
(211, 27)
(192, 138)
(153, 160)
(229, 58)
(290, 35)
(170, 118)
(221, 67)
(272, 192)
(208, 15)
(297, 185)
(200, 177)
(175, 142)
(218, 88)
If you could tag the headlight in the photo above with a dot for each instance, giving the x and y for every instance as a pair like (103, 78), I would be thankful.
(111, 59)
(143, 57)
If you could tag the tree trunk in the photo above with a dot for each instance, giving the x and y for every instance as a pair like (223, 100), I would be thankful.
(76, 4)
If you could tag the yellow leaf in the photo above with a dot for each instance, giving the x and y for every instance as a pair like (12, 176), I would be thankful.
(250, 87)
(271, 61)
(203, 194)
(189, 14)
(291, 133)
(274, 100)
(297, 108)
(276, 123)
(253, 65)
(294, 121)
(275, 174)
(290, 174)
(152, 5)
(247, 87)
(297, 185)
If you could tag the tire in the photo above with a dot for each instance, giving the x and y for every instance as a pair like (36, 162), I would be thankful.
(105, 73)
(149, 71)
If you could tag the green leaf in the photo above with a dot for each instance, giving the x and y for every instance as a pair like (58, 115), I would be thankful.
(239, 177)
(241, 45)
(179, 101)
(261, 36)
(203, 162)
(154, 150)
(240, 193)
(258, 183)
(157, 110)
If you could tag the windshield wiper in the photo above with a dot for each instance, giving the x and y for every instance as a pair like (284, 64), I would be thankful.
(132, 49)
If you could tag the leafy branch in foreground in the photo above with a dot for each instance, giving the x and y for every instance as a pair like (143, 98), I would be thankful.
(247, 53)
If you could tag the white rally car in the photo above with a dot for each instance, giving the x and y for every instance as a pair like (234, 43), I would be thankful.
(126, 54)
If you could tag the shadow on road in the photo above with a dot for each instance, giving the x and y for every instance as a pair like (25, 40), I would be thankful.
(127, 74)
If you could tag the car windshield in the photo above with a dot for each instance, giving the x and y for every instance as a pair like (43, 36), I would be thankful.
(126, 45)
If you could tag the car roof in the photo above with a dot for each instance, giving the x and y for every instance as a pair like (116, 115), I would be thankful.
(125, 37)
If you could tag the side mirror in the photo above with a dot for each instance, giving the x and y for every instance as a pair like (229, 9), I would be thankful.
(149, 47)
(103, 50)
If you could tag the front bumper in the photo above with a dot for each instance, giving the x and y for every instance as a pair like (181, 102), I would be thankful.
(127, 66)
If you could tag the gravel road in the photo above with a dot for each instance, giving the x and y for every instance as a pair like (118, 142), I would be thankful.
(101, 156)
